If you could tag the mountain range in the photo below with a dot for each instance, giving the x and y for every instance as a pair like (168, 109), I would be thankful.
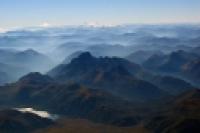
(175, 63)
(15, 64)
(123, 79)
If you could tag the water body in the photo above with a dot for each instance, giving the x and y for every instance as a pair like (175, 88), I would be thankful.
(43, 114)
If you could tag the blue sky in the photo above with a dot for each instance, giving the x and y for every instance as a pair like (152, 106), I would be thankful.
(22, 13)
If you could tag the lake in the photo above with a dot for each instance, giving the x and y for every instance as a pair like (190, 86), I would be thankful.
(43, 114)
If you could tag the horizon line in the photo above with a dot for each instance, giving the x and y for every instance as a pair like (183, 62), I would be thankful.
(95, 25)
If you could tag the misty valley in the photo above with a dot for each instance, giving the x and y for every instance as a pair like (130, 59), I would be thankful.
(106, 79)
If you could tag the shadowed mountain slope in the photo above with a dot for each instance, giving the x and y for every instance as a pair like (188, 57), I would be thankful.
(115, 75)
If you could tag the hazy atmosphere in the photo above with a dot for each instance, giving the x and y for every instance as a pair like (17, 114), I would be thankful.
(99, 66)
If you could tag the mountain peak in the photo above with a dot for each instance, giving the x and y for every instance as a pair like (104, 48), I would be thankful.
(84, 58)
(35, 77)
(85, 55)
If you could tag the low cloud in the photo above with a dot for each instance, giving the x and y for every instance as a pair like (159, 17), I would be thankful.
(97, 24)
(2, 30)
(45, 24)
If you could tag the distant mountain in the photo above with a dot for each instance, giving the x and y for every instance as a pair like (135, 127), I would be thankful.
(141, 56)
(10, 73)
(15, 64)
(108, 50)
(7, 70)
(66, 49)
(171, 85)
(154, 62)
(4, 78)
(191, 70)
(30, 59)
(171, 63)
(176, 60)
(28, 54)
(180, 64)
(13, 69)
(12, 121)
(33, 60)
(115, 75)
(6, 53)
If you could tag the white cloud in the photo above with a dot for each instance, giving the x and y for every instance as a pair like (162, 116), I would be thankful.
(45, 24)
(2, 30)
(97, 24)
(93, 24)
